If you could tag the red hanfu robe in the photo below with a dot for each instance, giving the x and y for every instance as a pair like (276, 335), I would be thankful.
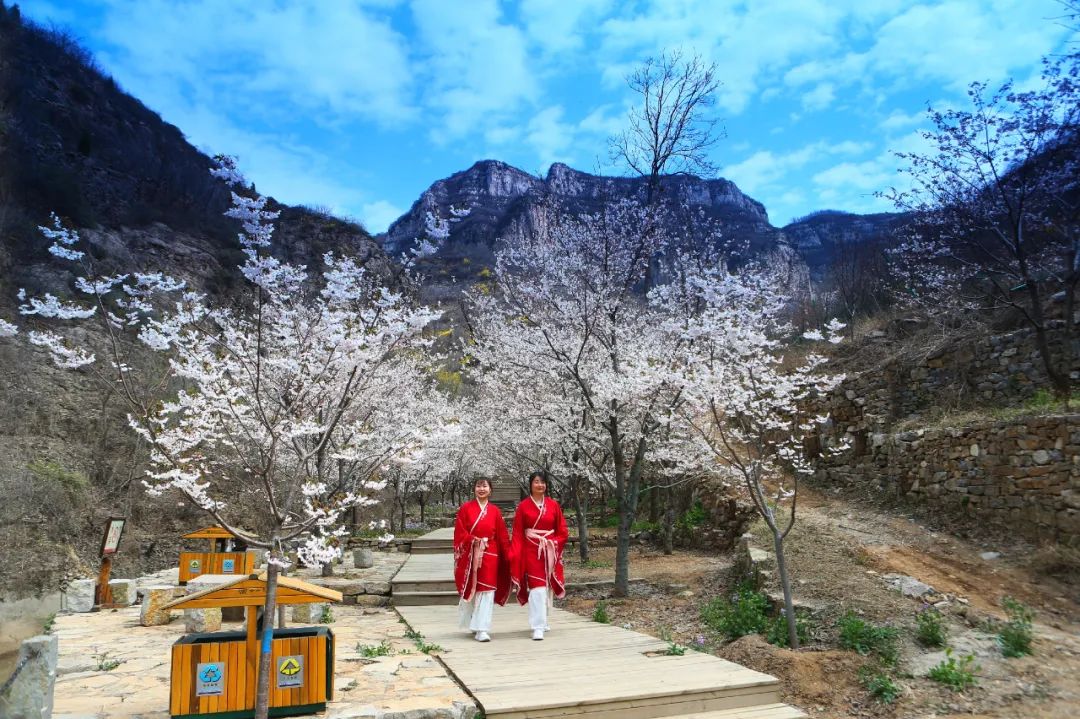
(537, 546)
(480, 567)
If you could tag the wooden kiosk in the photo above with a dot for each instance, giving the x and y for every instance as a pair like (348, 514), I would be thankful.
(216, 560)
(214, 674)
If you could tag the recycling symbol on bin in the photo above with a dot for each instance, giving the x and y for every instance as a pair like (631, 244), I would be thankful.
(210, 674)
(289, 667)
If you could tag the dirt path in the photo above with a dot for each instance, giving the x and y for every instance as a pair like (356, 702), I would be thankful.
(838, 554)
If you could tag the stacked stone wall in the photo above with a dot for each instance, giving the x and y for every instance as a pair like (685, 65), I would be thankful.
(1023, 473)
(996, 370)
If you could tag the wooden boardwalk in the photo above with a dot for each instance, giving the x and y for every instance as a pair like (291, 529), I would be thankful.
(582, 669)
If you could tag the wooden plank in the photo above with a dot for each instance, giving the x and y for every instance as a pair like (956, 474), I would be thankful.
(174, 680)
(585, 669)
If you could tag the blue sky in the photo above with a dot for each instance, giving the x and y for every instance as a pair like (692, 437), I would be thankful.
(359, 105)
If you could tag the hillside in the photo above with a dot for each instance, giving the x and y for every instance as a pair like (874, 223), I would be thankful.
(72, 142)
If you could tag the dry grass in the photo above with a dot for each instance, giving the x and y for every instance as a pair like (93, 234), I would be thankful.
(1041, 405)
(1058, 561)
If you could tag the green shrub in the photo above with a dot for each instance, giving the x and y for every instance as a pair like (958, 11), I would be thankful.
(777, 631)
(880, 685)
(600, 614)
(370, 651)
(643, 525)
(744, 613)
(957, 674)
(675, 650)
(421, 644)
(867, 638)
(693, 517)
(1015, 636)
(106, 663)
(327, 615)
(931, 630)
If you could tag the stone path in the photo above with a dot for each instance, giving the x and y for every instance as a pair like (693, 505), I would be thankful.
(138, 686)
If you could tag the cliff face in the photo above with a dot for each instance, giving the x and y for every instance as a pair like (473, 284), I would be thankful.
(507, 203)
(818, 237)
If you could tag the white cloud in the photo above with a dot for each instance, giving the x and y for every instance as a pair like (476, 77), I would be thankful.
(379, 215)
(766, 171)
(900, 120)
(549, 136)
(477, 70)
(276, 57)
(559, 26)
(819, 98)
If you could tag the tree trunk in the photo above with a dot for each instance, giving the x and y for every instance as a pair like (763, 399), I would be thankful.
(627, 485)
(262, 692)
(328, 569)
(581, 509)
(421, 509)
(654, 504)
(785, 583)
(669, 525)
(403, 515)
(281, 609)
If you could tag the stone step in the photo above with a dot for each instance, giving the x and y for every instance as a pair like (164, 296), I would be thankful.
(423, 586)
(423, 599)
(433, 549)
(765, 711)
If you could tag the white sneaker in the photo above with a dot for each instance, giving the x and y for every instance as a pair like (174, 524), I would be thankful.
(483, 637)
(538, 634)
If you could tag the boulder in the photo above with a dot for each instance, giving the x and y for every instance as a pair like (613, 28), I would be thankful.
(80, 595)
(207, 619)
(30, 695)
(153, 598)
(363, 558)
(123, 591)
(309, 613)
(908, 586)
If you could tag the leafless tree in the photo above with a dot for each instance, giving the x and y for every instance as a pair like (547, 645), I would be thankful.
(671, 130)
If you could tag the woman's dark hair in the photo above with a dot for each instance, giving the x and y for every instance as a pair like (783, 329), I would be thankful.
(478, 480)
(538, 473)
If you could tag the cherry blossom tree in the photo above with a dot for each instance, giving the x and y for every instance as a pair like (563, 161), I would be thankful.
(568, 314)
(521, 421)
(996, 217)
(282, 405)
(746, 388)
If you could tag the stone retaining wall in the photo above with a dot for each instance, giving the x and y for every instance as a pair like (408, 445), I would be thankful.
(997, 370)
(1023, 474)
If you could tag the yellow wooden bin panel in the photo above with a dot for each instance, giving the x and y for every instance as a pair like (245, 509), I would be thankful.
(196, 564)
(240, 675)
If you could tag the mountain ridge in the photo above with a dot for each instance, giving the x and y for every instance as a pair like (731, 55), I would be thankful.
(504, 200)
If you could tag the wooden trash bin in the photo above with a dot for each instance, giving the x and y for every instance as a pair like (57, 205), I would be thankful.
(216, 560)
(214, 675)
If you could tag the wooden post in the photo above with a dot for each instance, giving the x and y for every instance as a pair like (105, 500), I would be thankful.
(251, 648)
(110, 544)
(103, 598)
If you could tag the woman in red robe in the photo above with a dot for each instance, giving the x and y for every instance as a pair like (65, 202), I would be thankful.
(536, 550)
(481, 561)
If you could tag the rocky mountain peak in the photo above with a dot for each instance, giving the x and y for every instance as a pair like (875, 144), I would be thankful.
(503, 198)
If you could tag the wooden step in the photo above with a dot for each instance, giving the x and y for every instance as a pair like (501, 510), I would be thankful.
(423, 599)
(729, 703)
(765, 711)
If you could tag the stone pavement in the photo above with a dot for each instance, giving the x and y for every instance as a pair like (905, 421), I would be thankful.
(112, 668)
